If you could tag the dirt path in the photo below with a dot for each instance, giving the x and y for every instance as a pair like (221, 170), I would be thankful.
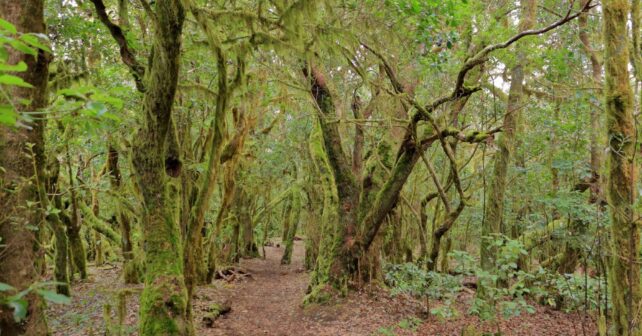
(270, 304)
(267, 304)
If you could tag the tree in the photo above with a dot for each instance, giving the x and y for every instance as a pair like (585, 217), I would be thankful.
(164, 299)
(21, 172)
(622, 171)
(492, 226)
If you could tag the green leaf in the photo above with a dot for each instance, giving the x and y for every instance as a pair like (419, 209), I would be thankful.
(115, 102)
(72, 93)
(19, 309)
(4, 54)
(7, 26)
(98, 108)
(14, 80)
(54, 297)
(34, 41)
(20, 67)
(7, 115)
(20, 46)
(4, 287)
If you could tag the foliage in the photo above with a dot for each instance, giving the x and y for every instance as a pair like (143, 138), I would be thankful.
(25, 43)
(507, 299)
(412, 280)
(18, 302)
(569, 292)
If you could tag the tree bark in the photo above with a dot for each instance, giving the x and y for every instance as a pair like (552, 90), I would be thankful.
(163, 303)
(130, 270)
(622, 172)
(295, 215)
(21, 175)
(61, 273)
(322, 278)
(495, 208)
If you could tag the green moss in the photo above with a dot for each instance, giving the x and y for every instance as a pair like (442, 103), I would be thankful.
(77, 250)
(326, 271)
(319, 294)
(295, 215)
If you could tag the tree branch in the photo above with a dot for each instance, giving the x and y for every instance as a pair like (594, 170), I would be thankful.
(126, 54)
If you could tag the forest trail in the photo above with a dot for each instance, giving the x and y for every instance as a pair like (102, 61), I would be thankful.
(270, 304)
(267, 303)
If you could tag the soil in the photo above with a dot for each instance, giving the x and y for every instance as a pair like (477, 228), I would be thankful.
(268, 302)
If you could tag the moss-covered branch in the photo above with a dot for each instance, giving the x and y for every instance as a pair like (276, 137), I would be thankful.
(98, 224)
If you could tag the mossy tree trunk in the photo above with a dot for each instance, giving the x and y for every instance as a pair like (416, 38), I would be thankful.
(330, 243)
(495, 208)
(249, 248)
(76, 246)
(22, 173)
(295, 216)
(193, 252)
(622, 172)
(313, 224)
(61, 272)
(344, 264)
(163, 303)
(285, 218)
(229, 189)
(130, 270)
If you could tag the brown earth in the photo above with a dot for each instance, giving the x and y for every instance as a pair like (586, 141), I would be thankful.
(269, 303)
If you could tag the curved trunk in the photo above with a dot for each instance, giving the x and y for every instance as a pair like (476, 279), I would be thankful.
(250, 250)
(285, 218)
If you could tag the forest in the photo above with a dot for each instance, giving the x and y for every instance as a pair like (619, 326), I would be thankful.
(320, 167)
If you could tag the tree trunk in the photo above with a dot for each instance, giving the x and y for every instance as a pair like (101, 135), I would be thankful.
(61, 273)
(229, 190)
(77, 249)
(21, 174)
(130, 270)
(321, 279)
(345, 264)
(163, 303)
(250, 250)
(295, 215)
(495, 208)
(622, 172)
(285, 218)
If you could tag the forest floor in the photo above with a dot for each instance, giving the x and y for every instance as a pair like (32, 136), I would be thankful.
(269, 303)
